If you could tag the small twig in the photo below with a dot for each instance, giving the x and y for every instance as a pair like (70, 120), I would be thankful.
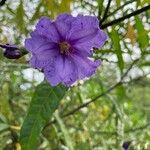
(106, 11)
(134, 62)
(125, 17)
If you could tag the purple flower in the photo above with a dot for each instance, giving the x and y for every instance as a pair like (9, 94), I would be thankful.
(62, 48)
(11, 51)
(126, 145)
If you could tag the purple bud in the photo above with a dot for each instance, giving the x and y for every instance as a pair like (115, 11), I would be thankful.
(9, 46)
(126, 145)
(12, 54)
(11, 51)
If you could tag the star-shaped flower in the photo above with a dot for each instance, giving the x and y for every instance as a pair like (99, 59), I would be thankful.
(62, 47)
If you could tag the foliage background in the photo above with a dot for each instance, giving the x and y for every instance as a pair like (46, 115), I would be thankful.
(120, 89)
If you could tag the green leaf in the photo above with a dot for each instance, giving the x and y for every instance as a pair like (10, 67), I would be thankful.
(37, 13)
(3, 126)
(82, 145)
(100, 7)
(145, 64)
(44, 102)
(64, 131)
(117, 48)
(5, 107)
(19, 18)
(64, 6)
(53, 5)
(142, 2)
(142, 33)
(118, 2)
(120, 92)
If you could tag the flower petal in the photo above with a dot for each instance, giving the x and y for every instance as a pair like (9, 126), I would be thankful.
(84, 66)
(39, 64)
(95, 40)
(66, 69)
(47, 28)
(50, 74)
(85, 34)
(83, 26)
(38, 44)
(61, 70)
(63, 24)
(42, 50)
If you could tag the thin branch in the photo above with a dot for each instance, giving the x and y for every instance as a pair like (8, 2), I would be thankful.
(91, 101)
(97, 97)
(121, 7)
(102, 94)
(106, 11)
(136, 79)
(139, 128)
(126, 131)
(125, 17)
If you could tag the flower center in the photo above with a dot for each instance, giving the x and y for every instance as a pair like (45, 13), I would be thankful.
(64, 47)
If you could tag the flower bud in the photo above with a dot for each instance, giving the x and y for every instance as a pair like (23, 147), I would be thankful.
(126, 145)
(11, 51)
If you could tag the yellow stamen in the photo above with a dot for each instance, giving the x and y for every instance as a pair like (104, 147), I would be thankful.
(64, 47)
